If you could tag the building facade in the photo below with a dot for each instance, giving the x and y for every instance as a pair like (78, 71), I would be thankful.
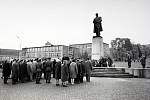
(86, 48)
(52, 51)
(58, 51)
(74, 52)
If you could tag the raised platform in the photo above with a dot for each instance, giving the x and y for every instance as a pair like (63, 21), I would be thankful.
(119, 72)
(110, 72)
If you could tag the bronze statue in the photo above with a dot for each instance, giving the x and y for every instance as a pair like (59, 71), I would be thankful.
(97, 25)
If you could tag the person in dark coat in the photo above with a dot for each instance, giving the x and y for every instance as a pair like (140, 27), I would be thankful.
(6, 71)
(38, 71)
(143, 61)
(15, 71)
(110, 62)
(104, 62)
(48, 70)
(54, 63)
(129, 61)
(77, 80)
(57, 71)
(82, 72)
(88, 69)
(34, 68)
(64, 71)
(23, 71)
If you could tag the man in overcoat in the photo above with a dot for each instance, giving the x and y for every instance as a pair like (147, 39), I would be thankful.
(73, 71)
(129, 61)
(48, 70)
(57, 71)
(54, 67)
(143, 61)
(64, 71)
(6, 71)
(15, 71)
(38, 71)
(23, 74)
(88, 69)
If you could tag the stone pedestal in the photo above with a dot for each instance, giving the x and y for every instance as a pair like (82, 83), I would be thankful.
(97, 48)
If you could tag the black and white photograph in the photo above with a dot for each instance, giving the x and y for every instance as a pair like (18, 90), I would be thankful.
(74, 49)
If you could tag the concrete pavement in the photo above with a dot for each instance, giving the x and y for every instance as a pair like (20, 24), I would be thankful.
(97, 89)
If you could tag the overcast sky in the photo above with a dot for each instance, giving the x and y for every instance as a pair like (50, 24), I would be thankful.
(64, 22)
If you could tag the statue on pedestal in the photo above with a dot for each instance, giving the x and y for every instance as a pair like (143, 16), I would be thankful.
(97, 25)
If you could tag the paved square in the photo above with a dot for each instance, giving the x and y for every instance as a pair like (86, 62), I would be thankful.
(97, 89)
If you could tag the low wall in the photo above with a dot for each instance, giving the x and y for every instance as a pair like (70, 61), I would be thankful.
(139, 72)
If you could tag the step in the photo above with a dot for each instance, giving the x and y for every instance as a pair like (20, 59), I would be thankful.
(113, 75)
(119, 71)
(107, 69)
(110, 72)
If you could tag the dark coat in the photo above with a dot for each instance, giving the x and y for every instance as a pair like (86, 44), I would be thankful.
(143, 61)
(64, 73)
(79, 68)
(48, 66)
(23, 70)
(88, 67)
(6, 69)
(110, 62)
(83, 67)
(38, 67)
(15, 70)
(58, 70)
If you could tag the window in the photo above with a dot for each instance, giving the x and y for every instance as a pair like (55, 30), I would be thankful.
(52, 48)
(35, 49)
(56, 48)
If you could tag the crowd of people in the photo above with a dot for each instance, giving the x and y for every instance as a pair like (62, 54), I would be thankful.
(68, 71)
(103, 62)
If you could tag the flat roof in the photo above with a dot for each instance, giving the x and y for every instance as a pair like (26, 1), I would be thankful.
(43, 46)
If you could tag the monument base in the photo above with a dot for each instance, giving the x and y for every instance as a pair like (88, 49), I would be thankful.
(97, 48)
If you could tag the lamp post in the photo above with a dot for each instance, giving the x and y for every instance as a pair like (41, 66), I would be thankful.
(20, 44)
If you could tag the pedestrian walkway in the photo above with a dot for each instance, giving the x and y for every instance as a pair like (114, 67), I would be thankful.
(97, 89)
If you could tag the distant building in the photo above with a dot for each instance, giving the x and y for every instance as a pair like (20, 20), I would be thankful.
(7, 54)
(87, 48)
(52, 51)
(74, 52)
(83, 48)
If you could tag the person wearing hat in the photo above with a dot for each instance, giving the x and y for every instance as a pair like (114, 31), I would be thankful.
(57, 71)
(88, 69)
(6, 71)
(143, 61)
(73, 71)
(64, 71)
(38, 71)
(48, 70)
